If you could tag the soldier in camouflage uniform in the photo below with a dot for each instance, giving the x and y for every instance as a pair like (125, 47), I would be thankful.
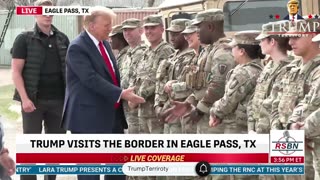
(300, 76)
(241, 81)
(120, 44)
(302, 118)
(132, 31)
(276, 47)
(179, 87)
(207, 80)
(171, 70)
(146, 74)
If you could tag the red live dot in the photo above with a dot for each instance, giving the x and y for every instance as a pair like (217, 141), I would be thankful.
(310, 16)
(277, 16)
(29, 10)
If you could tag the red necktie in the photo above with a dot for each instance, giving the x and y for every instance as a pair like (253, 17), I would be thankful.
(109, 66)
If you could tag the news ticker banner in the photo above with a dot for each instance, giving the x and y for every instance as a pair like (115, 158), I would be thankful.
(53, 10)
(160, 169)
(223, 151)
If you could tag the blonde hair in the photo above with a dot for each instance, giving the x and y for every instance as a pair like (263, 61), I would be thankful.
(98, 11)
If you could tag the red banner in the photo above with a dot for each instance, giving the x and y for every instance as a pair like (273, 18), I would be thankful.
(240, 158)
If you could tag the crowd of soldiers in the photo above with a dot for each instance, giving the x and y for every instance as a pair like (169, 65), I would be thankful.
(203, 82)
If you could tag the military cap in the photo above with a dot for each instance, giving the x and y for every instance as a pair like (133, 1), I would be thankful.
(131, 23)
(209, 15)
(189, 28)
(178, 25)
(299, 27)
(273, 28)
(152, 20)
(316, 38)
(43, 2)
(245, 37)
(116, 30)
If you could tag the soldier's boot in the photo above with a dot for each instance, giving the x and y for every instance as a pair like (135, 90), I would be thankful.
(155, 126)
(204, 128)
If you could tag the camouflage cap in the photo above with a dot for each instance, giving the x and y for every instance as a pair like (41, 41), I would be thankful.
(178, 25)
(272, 28)
(245, 37)
(189, 28)
(116, 30)
(305, 26)
(131, 23)
(316, 38)
(209, 15)
(43, 2)
(152, 20)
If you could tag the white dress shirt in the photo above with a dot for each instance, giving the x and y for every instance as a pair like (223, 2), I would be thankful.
(96, 42)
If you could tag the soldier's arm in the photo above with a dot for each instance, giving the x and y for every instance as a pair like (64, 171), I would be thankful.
(161, 78)
(251, 119)
(222, 63)
(239, 87)
(269, 114)
(312, 124)
(147, 88)
(274, 100)
(179, 86)
(309, 104)
(137, 57)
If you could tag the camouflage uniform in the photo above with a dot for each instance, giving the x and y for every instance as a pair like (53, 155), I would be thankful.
(241, 81)
(207, 81)
(146, 81)
(272, 73)
(295, 84)
(180, 89)
(121, 55)
(170, 70)
(132, 58)
(302, 113)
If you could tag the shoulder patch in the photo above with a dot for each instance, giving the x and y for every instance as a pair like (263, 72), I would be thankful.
(222, 68)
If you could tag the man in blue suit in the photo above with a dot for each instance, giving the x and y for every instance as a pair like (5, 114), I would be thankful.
(93, 95)
(293, 8)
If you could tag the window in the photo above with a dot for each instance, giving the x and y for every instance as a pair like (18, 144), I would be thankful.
(253, 14)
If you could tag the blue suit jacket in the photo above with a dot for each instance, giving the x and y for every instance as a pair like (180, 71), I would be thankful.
(90, 94)
(287, 17)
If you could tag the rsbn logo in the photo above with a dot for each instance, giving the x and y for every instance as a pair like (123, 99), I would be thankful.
(287, 145)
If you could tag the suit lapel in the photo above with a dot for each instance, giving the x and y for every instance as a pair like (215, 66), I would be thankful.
(113, 59)
(100, 61)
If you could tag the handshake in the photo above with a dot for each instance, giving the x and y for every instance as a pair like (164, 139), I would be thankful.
(133, 99)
